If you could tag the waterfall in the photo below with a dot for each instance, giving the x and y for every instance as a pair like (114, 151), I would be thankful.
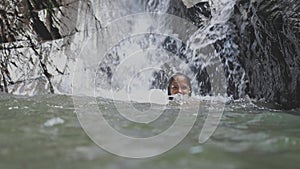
(133, 62)
(256, 42)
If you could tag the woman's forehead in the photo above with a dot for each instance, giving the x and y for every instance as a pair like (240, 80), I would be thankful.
(179, 79)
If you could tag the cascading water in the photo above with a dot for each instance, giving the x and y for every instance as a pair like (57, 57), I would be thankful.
(218, 36)
(140, 62)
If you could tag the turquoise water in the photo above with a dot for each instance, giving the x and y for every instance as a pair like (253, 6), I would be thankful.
(247, 137)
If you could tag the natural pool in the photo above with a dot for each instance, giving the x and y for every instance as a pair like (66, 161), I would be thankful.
(248, 136)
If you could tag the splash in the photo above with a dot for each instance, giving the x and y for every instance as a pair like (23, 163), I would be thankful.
(140, 63)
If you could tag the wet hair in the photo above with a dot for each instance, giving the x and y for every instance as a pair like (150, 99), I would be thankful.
(173, 78)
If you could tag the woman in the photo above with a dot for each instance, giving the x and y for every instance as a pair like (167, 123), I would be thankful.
(179, 84)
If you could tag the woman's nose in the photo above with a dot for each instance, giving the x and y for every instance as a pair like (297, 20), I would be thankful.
(180, 90)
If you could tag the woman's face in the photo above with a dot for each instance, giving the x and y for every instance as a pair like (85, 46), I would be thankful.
(179, 85)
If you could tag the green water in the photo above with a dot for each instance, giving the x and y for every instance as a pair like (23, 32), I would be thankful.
(247, 137)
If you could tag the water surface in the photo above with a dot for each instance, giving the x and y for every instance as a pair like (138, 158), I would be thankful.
(44, 132)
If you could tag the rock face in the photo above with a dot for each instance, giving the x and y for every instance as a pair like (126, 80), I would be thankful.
(269, 43)
(31, 32)
(260, 50)
(41, 18)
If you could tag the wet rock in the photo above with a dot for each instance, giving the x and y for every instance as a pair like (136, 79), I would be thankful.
(269, 43)
(30, 33)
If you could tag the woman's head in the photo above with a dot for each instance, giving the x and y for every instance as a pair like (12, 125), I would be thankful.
(179, 84)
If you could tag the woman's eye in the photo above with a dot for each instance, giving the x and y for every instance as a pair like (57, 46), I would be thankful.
(183, 87)
(174, 87)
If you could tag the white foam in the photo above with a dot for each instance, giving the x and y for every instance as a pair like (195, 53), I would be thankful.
(54, 121)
